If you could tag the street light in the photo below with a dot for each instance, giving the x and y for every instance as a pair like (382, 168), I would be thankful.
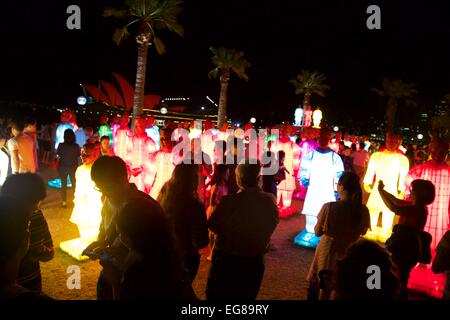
(81, 100)
(420, 136)
(336, 129)
(252, 120)
(163, 110)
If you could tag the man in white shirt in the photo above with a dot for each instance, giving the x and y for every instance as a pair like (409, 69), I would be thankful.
(21, 147)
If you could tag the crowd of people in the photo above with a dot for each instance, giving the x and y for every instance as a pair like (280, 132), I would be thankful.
(152, 197)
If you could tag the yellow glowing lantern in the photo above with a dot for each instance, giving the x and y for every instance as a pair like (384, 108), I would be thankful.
(86, 213)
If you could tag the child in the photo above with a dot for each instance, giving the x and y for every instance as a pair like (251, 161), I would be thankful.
(409, 244)
(219, 189)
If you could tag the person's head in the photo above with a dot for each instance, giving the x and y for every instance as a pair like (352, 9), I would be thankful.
(17, 127)
(221, 173)
(347, 151)
(104, 142)
(69, 136)
(124, 121)
(151, 121)
(29, 188)
(248, 175)
(144, 228)
(103, 119)
(89, 132)
(184, 180)
(422, 192)
(166, 138)
(439, 149)
(30, 125)
(89, 153)
(338, 136)
(324, 138)
(362, 145)
(139, 126)
(349, 188)
(393, 141)
(352, 273)
(353, 148)
(110, 177)
(14, 232)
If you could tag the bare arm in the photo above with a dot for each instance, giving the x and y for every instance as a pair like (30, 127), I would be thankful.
(15, 161)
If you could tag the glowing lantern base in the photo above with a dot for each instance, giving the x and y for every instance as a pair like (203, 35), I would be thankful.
(75, 247)
(57, 183)
(307, 239)
(422, 279)
(285, 212)
(378, 234)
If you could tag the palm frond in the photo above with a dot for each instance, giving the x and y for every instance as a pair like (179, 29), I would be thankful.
(115, 13)
(214, 73)
(120, 34)
(159, 45)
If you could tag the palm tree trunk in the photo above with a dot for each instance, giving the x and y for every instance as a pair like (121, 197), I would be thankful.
(138, 101)
(221, 116)
(391, 110)
(307, 101)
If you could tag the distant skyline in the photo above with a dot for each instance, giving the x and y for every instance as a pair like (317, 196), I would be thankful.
(43, 62)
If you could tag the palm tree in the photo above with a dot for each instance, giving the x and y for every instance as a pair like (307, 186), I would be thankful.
(307, 83)
(226, 60)
(396, 91)
(149, 16)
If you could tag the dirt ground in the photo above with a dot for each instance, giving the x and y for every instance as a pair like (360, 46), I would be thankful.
(284, 279)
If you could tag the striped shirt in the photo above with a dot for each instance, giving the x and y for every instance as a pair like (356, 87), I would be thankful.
(40, 241)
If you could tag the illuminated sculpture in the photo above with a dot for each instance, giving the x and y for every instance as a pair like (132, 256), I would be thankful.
(123, 138)
(115, 125)
(208, 138)
(298, 116)
(320, 172)
(307, 120)
(317, 118)
(152, 131)
(195, 129)
(438, 172)
(223, 133)
(105, 130)
(391, 167)
(86, 213)
(287, 187)
(165, 161)
(140, 157)
(64, 124)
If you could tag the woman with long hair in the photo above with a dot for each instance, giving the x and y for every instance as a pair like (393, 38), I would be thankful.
(68, 158)
(187, 215)
(339, 224)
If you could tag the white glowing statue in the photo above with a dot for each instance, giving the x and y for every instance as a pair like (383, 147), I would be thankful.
(391, 167)
(123, 138)
(86, 213)
(298, 116)
(320, 172)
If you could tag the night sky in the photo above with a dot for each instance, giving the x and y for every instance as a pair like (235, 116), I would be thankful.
(43, 62)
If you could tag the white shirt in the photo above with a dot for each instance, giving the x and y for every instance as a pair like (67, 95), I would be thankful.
(4, 166)
(24, 145)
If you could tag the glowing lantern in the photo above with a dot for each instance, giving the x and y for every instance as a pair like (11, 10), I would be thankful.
(140, 158)
(86, 213)
(391, 167)
(320, 172)
(298, 116)
(317, 117)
